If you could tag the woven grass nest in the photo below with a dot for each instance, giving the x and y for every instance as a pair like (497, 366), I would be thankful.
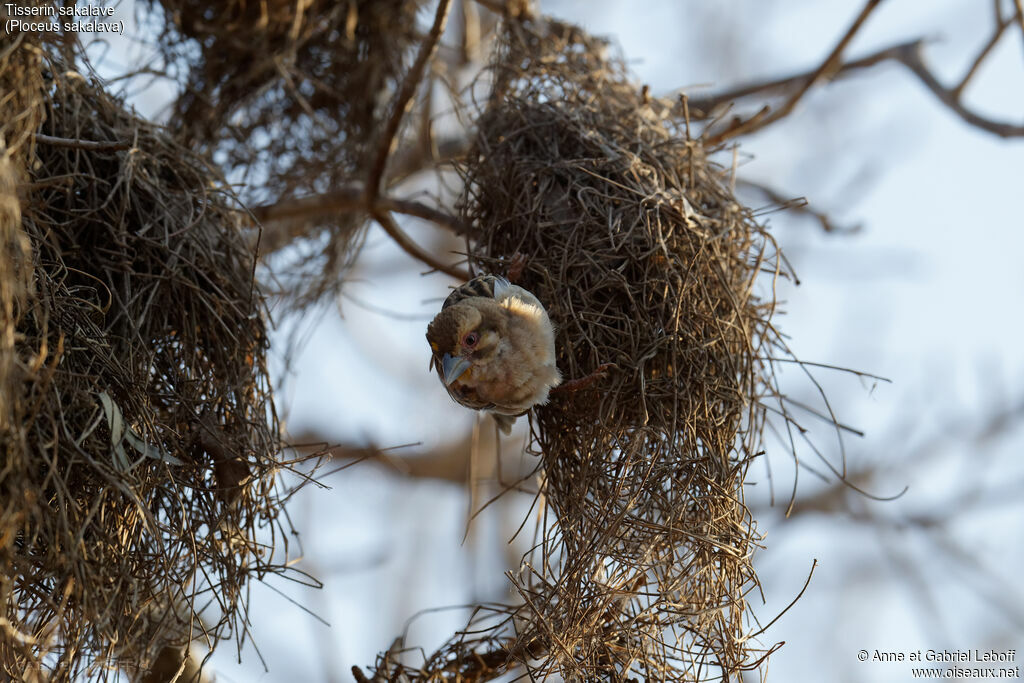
(644, 259)
(258, 73)
(266, 67)
(138, 435)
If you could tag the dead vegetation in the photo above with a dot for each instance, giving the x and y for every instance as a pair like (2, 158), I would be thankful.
(139, 438)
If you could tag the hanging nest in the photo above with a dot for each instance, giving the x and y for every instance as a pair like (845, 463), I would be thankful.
(644, 258)
(21, 112)
(295, 92)
(138, 435)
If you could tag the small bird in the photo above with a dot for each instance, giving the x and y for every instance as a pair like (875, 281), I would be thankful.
(493, 347)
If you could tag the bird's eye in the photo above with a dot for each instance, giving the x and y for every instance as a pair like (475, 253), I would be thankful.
(470, 339)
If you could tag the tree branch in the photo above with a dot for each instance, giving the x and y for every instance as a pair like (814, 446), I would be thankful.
(910, 57)
(1001, 26)
(798, 205)
(403, 101)
(418, 156)
(908, 54)
(351, 199)
(832, 63)
(447, 463)
(387, 222)
(342, 200)
(706, 105)
(1020, 16)
(90, 145)
(291, 213)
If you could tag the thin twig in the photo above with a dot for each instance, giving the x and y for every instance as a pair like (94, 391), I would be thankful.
(446, 462)
(807, 582)
(386, 221)
(706, 105)
(1020, 16)
(353, 198)
(797, 205)
(910, 57)
(1001, 27)
(89, 145)
(908, 54)
(831, 64)
(403, 100)
(417, 156)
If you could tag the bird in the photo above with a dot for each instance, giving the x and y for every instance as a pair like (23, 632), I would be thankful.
(493, 347)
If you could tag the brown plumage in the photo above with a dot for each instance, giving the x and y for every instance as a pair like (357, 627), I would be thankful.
(494, 348)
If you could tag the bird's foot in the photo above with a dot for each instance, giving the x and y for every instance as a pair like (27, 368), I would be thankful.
(516, 267)
(584, 382)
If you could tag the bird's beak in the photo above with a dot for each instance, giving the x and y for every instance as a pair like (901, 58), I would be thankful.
(453, 367)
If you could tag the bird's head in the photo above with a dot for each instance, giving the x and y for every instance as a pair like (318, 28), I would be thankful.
(464, 335)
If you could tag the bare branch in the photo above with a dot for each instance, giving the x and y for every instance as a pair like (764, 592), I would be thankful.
(90, 145)
(387, 222)
(403, 100)
(799, 205)
(706, 105)
(423, 154)
(1001, 26)
(832, 63)
(290, 215)
(908, 54)
(448, 463)
(1020, 16)
(290, 219)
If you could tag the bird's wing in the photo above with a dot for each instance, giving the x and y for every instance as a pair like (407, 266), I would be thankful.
(483, 285)
(504, 290)
(491, 287)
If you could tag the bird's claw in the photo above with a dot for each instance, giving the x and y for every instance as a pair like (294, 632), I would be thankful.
(583, 382)
(516, 267)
